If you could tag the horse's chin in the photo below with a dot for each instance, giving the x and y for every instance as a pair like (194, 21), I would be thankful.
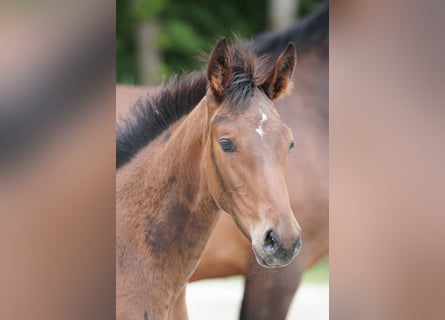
(269, 262)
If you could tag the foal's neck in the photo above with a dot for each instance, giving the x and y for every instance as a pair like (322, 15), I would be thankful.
(181, 162)
(165, 212)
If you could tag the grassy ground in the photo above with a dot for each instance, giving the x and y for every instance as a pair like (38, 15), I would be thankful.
(319, 273)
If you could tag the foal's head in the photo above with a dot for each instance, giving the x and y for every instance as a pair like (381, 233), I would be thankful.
(247, 149)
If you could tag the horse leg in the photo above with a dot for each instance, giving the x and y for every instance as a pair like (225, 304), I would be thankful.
(179, 308)
(268, 293)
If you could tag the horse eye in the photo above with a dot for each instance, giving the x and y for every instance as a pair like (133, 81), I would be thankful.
(291, 146)
(227, 145)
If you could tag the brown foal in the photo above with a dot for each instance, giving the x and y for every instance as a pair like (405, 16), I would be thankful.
(226, 151)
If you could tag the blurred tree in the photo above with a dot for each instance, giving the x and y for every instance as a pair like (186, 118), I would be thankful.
(185, 28)
(306, 6)
(190, 26)
(125, 46)
(282, 13)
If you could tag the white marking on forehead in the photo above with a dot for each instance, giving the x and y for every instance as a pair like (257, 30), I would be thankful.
(263, 117)
(259, 129)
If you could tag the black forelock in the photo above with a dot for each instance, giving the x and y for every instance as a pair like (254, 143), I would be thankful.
(248, 73)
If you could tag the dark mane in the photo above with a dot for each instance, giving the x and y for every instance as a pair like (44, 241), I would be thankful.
(307, 32)
(153, 114)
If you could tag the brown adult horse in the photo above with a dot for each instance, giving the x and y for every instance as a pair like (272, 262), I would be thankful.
(187, 153)
(268, 293)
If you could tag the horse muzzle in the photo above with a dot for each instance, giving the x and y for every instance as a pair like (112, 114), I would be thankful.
(271, 253)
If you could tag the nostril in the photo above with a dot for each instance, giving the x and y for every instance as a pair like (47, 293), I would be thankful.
(271, 241)
(298, 245)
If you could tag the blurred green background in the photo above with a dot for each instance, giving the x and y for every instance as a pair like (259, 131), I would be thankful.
(319, 273)
(176, 31)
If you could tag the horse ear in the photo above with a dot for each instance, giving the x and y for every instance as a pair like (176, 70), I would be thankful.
(219, 69)
(279, 78)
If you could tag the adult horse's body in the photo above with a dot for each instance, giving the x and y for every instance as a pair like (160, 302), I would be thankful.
(268, 293)
(205, 143)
